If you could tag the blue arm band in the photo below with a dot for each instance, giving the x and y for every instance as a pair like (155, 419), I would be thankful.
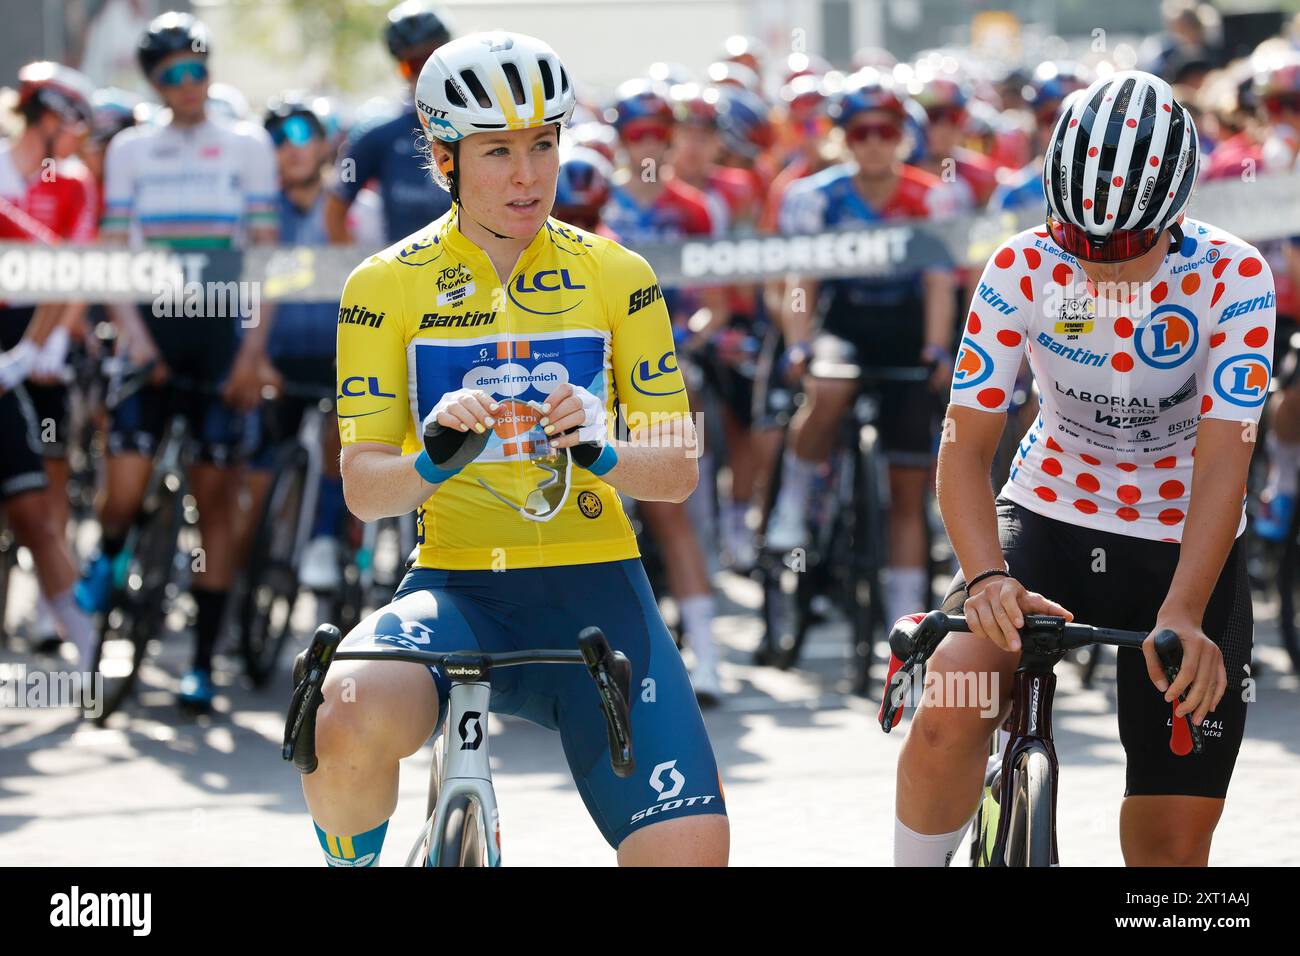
(606, 460)
(431, 472)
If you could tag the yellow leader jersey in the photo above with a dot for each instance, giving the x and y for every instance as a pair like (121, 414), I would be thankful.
(429, 315)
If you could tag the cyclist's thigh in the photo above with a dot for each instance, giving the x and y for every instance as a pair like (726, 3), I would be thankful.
(906, 423)
(676, 773)
(1145, 717)
(50, 403)
(21, 466)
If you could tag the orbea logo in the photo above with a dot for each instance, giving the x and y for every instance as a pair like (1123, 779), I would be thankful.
(513, 379)
(1243, 380)
(1167, 338)
(973, 365)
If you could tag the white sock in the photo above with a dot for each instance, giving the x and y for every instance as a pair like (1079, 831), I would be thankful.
(923, 849)
(1283, 466)
(796, 478)
(43, 622)
(903, 591)
(74, 626)
(738, 519)
(697, 622)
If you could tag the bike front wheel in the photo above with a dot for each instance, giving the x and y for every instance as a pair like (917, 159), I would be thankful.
(460, 839)
(1029, 834)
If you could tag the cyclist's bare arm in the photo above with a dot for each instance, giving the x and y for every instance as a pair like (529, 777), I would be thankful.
(796, 310)
(940, 287)
(996, 606)
(336, 220)
(380, 482)
(657, 463)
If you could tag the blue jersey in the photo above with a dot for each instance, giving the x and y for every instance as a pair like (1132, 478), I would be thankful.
(829, 200)
(1022, 190)
(302, 329)
(389, 153)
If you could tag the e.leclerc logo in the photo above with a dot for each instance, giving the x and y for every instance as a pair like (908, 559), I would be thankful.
(1167, 337)
(973, 365)
(1243, 380)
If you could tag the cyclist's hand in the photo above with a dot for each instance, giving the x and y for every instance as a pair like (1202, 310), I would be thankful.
(456, 429)
(16, 364)
(998, 607)
(1201, 674)
(573, 407)
(48, 365)
(242, 390)
(136, 345)
(938, 358)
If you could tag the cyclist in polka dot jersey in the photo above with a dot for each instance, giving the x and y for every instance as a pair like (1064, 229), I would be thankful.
(1149, 336)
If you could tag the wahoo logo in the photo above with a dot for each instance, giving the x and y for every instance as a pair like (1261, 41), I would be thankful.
(1243, 380)
(645, 375)
(1167, 338)
(1245, 306)
(973, 365)
(547, 280)
(994, 298)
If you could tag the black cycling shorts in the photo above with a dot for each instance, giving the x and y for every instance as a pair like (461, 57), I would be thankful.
(22, 468)
(908, 410)
(1061, 561)
(200, 349)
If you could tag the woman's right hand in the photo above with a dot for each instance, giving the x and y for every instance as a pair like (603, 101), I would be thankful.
(997, 609)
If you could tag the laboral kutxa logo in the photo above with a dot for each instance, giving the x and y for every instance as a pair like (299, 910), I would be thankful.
(973, 365)
(1167, 337)
(1243, 380)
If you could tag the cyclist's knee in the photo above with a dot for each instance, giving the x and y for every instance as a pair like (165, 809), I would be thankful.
(375, 711)
(30, 519)
(701, 840)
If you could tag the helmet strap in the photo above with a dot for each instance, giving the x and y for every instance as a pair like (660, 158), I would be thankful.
(1175, 237)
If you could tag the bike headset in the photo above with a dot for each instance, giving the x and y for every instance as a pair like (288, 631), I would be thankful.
(489, 81)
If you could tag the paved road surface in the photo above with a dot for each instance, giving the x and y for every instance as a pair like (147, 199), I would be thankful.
(809, 776)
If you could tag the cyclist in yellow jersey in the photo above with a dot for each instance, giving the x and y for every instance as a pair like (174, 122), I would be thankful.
(483, 363)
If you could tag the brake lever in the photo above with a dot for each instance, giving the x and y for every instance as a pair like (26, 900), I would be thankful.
(309, 675)
(612, 674)
(1184, 736)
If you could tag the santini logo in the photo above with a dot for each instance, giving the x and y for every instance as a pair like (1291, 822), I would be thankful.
(103, 909)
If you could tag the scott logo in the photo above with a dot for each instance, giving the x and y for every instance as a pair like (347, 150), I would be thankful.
(465, 730)
(656, 780)
(1243, 380)
(548, 280)
(359, 385)
(1168, 337)
(666, 366)
(973, 365)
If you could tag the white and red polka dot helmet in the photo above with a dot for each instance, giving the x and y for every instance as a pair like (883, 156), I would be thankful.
(1123, 157)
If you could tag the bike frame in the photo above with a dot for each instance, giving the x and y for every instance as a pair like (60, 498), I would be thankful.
(466, 770)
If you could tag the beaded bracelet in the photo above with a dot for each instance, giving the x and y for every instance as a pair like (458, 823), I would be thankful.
(991, 573)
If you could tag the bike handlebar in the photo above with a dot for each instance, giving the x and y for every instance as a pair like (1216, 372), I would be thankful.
(1042, 634)
(610, 670)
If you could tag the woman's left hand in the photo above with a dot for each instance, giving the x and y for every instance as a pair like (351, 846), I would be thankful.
(1201, 675)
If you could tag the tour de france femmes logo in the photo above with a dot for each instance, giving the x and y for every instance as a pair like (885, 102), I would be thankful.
(589, 504)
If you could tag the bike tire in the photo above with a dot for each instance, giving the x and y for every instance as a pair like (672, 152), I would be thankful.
(460, 837)
(1288, 588)
(1029, 830)
(865, 559)
(126, 631)
(271, 590)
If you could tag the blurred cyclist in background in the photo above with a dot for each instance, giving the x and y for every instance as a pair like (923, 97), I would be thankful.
(582, 189)
(1052, 83)
(190, 181)
(388, 152)
(649, 204)
(905, 320)
(944, 99)
(45, 197)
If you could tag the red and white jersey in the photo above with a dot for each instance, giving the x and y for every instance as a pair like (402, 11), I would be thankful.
(1122, 385)
(65, 202)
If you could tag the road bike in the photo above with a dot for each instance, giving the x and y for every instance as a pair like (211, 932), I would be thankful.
(461, 826)
(1015, 824)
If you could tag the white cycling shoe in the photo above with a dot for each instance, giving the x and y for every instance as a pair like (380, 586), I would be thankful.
(319, 570)
(787, 527)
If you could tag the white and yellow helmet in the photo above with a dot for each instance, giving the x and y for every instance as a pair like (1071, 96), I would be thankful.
(492, 81)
